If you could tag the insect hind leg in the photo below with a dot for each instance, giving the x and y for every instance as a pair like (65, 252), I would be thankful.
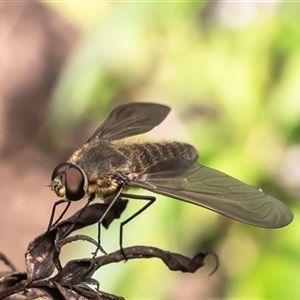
(151, 200)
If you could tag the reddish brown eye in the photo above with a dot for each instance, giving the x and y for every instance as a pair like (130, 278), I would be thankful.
(74, 183)
(60, 169)
(72, 178)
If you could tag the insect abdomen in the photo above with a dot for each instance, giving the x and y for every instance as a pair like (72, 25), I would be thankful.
(146, 154)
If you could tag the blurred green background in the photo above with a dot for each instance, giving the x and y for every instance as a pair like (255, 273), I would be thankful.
(230, 72)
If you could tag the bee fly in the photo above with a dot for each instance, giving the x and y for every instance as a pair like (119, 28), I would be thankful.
(108, 164)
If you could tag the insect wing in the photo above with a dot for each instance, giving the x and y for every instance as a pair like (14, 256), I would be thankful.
(216, 191)
(131, 119)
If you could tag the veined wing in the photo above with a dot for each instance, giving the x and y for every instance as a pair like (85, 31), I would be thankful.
(131, 119)
(216, 191)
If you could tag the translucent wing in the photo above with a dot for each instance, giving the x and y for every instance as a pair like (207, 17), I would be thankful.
(131, 119)
(216, 191)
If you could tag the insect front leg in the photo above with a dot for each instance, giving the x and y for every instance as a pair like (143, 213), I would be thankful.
(61, 215)
(90, 199)
(50, 225)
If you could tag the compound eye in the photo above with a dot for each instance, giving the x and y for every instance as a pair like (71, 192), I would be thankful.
(75, 182)
(60, 169)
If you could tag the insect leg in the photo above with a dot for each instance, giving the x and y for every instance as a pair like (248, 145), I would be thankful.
(151, 200)
(50, 225)
(90, 199)
(116, 197)
(53, 213)
(7, 261)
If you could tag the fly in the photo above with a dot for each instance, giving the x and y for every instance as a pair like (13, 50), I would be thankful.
(108, 164)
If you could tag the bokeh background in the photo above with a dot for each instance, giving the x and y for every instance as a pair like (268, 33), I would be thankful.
(230, 72)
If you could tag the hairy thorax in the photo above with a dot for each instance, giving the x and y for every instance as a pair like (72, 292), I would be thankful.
(108, 165)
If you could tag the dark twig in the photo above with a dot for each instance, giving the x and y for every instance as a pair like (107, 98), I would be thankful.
(74, 279)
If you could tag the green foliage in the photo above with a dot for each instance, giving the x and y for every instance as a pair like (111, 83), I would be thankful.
(230, 72)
